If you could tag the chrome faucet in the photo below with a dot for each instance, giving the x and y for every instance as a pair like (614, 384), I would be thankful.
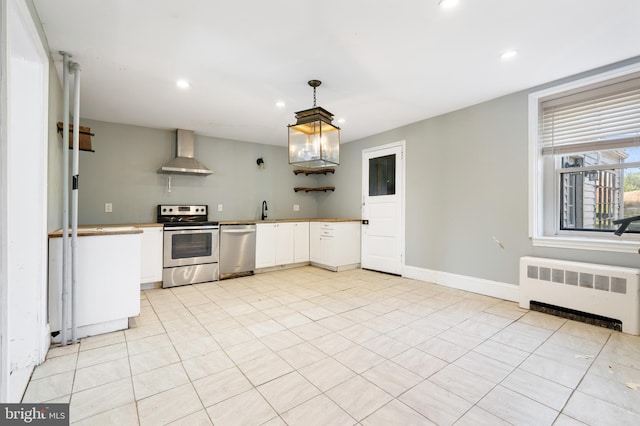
(264, 210)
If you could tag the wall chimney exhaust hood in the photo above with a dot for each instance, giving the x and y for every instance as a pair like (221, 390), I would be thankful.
(185, 163)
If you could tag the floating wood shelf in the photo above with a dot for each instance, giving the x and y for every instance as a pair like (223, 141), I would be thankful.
(319, 188)
(308, 172)
(85, 137)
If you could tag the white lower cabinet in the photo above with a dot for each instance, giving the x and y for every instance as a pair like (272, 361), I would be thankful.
(335, 245)
(281, 243)
(301, 242)
(284, 242)
(108, 290)
(331, 245)
(265, 245)
(151, 254)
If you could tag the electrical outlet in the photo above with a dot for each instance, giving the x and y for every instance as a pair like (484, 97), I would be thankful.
(108, 207)
(296, 207)
(219, 207)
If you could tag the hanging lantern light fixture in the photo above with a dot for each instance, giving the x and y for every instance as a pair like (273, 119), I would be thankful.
(313, 140)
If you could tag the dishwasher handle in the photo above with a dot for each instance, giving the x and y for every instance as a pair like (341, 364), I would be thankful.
(238, 231)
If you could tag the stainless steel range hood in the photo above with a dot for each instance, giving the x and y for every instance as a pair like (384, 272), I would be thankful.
(185, 163)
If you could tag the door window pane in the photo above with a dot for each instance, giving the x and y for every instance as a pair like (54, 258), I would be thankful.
(382, 175)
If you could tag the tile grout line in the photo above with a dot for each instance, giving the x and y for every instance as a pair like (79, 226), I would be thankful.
(180, 362)
(377, 298)
(574, 390)
(514, 369)
(452, 363)
(235, 366)
(133, 389)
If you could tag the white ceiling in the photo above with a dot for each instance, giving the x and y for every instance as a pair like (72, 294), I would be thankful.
(383, 63)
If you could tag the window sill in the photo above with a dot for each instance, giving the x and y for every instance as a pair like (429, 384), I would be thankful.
(597, 244)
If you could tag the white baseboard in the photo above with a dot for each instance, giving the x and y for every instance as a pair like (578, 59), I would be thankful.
(96, 329)
(496, 289)
(150, 285)
(20, 377)
(339, 268)
(280, 267)
(18, 383)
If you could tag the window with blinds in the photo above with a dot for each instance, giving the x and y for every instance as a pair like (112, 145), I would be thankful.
(602, 117)
(591, 136)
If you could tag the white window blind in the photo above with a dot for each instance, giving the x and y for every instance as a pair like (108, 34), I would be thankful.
(596, 118)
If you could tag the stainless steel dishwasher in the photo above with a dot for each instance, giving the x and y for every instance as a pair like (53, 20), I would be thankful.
(237, 250)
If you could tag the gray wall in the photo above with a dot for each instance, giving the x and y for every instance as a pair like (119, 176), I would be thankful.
(123, 171)
(54, 164)
(466, 174)
(467, 182)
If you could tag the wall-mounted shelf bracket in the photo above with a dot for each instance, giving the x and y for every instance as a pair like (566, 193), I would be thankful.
(319, 188)
(308, 172)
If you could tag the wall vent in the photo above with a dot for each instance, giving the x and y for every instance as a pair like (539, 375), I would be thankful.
(600, 291)
(574, 315)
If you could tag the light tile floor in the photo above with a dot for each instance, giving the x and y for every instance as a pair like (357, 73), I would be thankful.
(311, 347)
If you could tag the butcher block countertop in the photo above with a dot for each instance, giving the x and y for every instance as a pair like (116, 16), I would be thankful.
(335, 220)
(134, 228)
(106, 230)
(252, 222)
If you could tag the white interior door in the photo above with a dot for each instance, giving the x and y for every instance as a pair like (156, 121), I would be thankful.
(383, 208)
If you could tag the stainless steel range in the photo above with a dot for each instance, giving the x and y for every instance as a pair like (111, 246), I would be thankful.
(190, 245)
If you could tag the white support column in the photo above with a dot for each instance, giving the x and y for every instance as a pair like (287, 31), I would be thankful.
(74, 197)
(65, 196)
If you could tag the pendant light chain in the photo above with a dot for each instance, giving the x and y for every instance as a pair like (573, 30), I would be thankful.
(315, 84)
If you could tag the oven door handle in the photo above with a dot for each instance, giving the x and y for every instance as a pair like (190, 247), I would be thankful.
(191, 228)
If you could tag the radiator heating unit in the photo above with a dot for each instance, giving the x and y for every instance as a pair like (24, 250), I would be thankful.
(599, 290)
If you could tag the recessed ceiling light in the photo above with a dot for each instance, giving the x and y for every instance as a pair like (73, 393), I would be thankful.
(508, 54)
(448, 4)
(341, 121)
(183, 84)
(280, 104)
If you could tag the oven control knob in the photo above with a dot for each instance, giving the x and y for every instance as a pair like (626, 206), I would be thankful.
(170, 210)
(164, 210)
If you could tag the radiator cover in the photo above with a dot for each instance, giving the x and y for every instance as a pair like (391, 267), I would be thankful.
(608, 291)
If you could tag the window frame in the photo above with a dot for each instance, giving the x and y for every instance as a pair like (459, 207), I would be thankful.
(544, 195)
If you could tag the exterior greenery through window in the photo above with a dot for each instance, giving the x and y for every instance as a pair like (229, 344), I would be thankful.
(592, 199)
(589, 151)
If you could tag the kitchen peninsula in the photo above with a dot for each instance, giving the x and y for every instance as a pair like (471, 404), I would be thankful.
(108, 279)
